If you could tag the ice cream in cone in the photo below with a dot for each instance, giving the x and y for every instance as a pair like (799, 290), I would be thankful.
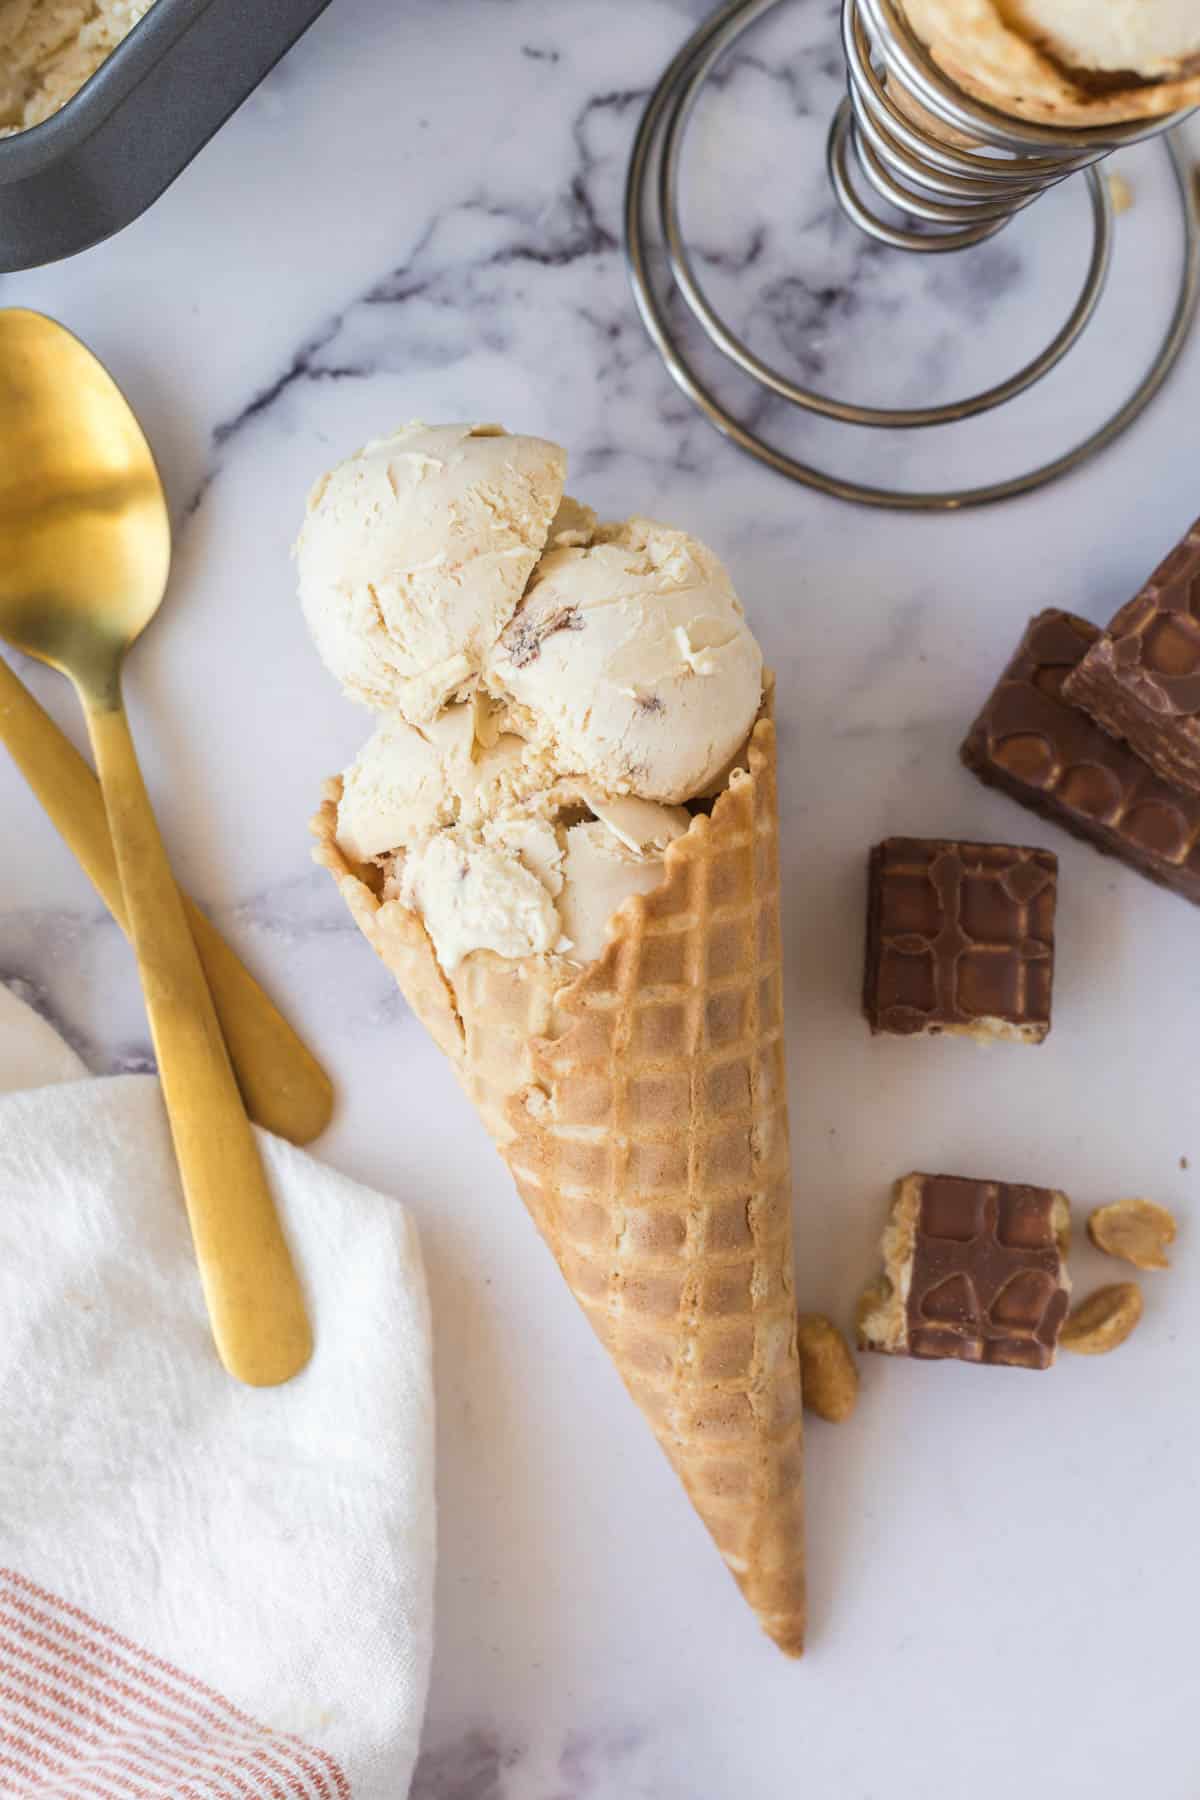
(584, 911)
(1073, 63)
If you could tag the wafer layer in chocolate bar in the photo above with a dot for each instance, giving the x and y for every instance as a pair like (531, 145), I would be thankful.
(960, 939)
(973, 1270)
(1055, 760)
(1140, 680)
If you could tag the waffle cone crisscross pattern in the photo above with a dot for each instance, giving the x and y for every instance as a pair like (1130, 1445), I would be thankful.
(641, 1106)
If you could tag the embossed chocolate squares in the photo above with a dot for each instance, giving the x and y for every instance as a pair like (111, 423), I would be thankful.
(960, 939)
(973, 1270)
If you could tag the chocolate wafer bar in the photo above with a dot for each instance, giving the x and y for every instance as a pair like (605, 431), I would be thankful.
(973, 1270)
(1055, 760)
(960, 940)
(1141, 678)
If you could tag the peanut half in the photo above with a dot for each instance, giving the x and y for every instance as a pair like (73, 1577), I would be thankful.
(1104, 1320)
(1138, 1231)
(828, 1372)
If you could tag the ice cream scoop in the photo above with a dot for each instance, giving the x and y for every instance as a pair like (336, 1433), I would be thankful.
(414, 555)
(408, 781)
(599, 874)
(524, 886)
(574, 525)
(518, 879)
(642, 826)
(474, 892)
(632, 656)
(516, 812)
(404, 783)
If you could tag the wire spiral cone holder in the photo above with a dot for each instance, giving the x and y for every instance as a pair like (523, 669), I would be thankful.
(906, 144)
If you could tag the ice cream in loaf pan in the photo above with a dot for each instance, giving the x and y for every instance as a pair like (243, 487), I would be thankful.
(49, 48)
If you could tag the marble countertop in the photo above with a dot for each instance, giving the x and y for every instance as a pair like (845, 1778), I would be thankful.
(419, 215)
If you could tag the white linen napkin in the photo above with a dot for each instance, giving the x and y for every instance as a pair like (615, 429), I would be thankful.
(207, 1592)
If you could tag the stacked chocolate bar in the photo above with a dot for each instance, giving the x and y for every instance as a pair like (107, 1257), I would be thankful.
(1099, 731)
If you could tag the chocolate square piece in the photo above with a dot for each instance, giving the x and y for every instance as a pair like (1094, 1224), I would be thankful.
(1052, 758)
(973, 1270)
(1141, 678)
(960, 939)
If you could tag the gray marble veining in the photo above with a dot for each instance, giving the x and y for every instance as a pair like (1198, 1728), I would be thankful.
(419, 214)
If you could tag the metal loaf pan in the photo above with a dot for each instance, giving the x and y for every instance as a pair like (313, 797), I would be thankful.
(129, 131)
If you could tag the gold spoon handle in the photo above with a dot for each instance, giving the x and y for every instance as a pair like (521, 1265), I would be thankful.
(282, 1083)
(257, 1311)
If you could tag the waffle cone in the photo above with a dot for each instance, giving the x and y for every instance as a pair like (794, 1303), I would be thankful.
(641, 1107)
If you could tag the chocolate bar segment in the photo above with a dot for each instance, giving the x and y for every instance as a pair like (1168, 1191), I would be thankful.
(960, 940)
(1140, 680)
(973, 1270)
(1056, 761)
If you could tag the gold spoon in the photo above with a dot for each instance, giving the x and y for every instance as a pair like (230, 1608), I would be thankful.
(84, 552)
(282, 1083)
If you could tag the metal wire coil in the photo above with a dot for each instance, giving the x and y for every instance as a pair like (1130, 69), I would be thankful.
(959, 179)
(959, 192)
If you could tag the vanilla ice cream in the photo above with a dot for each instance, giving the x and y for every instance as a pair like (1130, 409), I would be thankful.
(525, 885)
(49, 48)
(552, 689)
(477, 895)
(573, 525)
(408, 781)
(474, 836)
(405, 783)
(641, 825)
(415, 553)
(633, 657)
(599, 873)
(1152, 38)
